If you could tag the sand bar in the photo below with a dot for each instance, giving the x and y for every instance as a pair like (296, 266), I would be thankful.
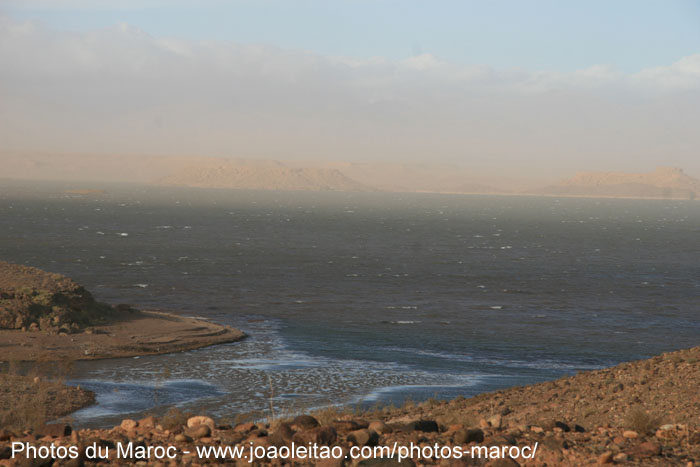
(133, 334)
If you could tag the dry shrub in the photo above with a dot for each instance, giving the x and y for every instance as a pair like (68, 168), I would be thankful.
(641, 421)
(174, 419)
(328, 415)
(28, 409)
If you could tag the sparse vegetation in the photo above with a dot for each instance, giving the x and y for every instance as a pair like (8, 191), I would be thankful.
(641, 421)
(174, 419)
(31, 395)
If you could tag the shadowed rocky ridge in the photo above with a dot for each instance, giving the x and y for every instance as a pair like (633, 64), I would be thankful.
(37, 300)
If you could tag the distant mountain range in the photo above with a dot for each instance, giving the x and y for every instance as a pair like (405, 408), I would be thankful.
(212, 172)
(664, 182)
(262, 175)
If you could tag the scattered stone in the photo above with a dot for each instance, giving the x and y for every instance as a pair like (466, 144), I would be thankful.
(505, 462)
(646, 449)
(552, 443)
(326, 435)
(244, 427)
(386, 462)
(200, 420)
(363, 437)
(305, 422)
(380, 427)
(285, 431)
(147, 423)
(427, 426)
(346, 425)
(495, 422)
(54, 430)
(475, 435)
(562, 426)
(128, 424)
(198, 431)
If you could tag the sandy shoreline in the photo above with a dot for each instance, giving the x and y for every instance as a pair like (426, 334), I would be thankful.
(135, 333)
(31, 400)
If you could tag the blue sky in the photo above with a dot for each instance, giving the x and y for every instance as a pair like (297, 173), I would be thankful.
(535, 35)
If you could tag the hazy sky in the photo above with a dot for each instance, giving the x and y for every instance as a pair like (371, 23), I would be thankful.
(536, 85)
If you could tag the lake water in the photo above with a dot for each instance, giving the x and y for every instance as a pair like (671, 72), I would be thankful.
(364, 298)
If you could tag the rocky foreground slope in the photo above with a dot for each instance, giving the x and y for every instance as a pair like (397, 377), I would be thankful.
(639, 413)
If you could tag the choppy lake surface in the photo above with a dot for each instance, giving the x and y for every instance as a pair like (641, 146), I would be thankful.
(364, 298)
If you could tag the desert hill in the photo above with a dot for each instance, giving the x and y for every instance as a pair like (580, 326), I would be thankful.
(261, 175)
(664, 182)
(320, 175)
(414, 177)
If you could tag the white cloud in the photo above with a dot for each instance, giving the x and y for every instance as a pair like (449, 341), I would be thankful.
(122, 90)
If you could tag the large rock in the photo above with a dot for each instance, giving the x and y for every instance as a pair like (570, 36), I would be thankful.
(468, 436)
(305, 422)
(282, 435)
(380, 427)
(128, 424)
(427, 426)
(363, 437)
(198, 420)
(199, 431)
(56, 430)
(322, 436)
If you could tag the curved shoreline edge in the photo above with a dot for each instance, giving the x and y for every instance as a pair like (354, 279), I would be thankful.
(139, 333)
(41, 396)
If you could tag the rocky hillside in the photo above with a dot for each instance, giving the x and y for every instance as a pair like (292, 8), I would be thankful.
(664, 182)
(33, 299)
(261, 175)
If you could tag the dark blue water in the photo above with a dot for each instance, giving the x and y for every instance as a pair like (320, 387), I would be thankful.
(364, 298)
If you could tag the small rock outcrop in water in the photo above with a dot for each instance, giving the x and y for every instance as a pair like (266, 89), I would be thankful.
(33, 299)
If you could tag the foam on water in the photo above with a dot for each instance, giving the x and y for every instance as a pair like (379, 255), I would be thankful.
(408, 296)
(116, 400)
